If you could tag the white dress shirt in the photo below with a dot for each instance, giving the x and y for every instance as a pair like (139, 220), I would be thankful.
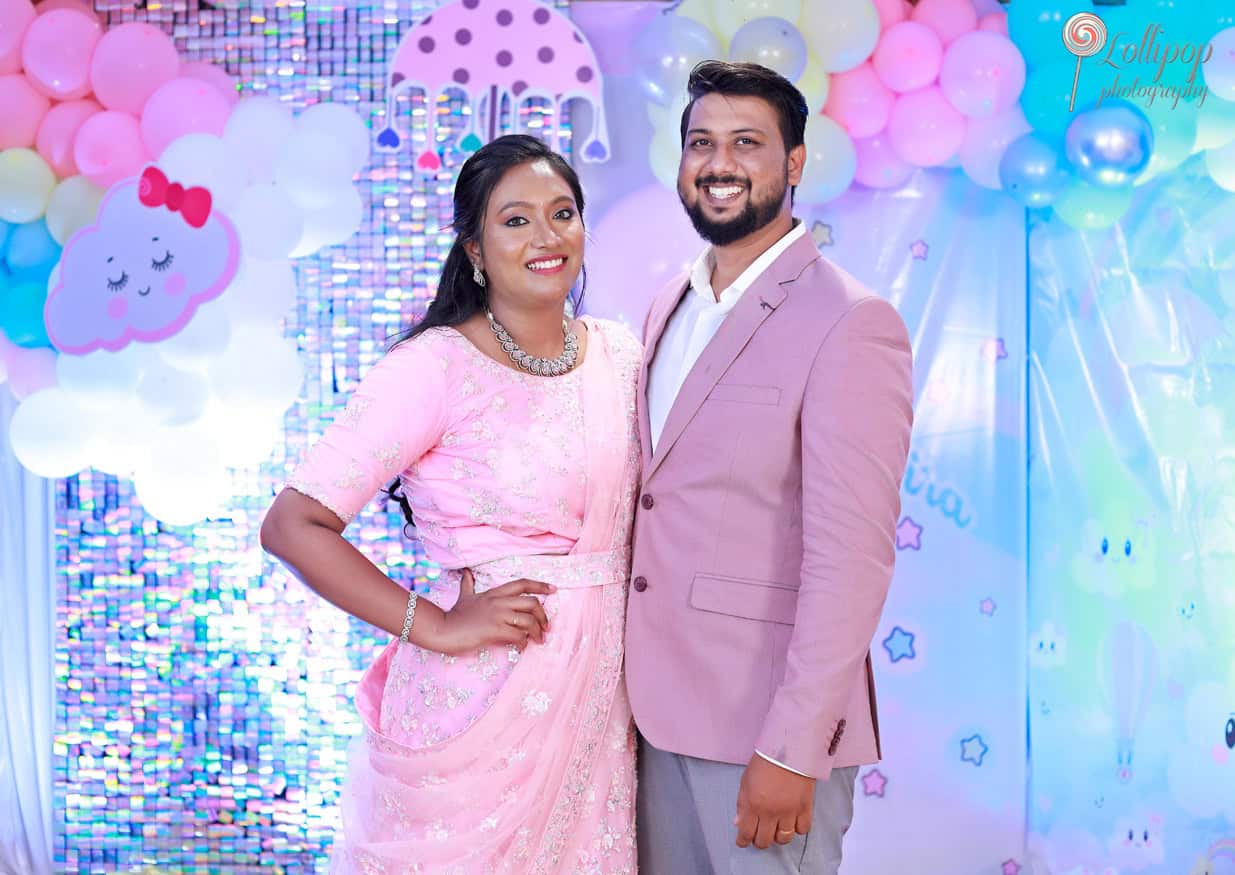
(691, 328)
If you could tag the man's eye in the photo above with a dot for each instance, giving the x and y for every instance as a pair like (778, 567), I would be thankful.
(699, 143)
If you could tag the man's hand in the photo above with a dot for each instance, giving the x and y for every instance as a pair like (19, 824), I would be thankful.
(773, 804)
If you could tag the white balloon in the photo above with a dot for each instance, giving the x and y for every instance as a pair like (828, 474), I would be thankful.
(210, 162)
(199, 342)
(100, 378)
(664, 156)
(840, 33)
(263, 292)
(121, 437)
(341, 124)
(46, 434)
(831, 161)
(730, 15)
(310, 168)
(268, 222)
(172, 396)
(331, 224)
(257, 129)
(183, 481)
(242, 441)
(74, 204)
(259, 371)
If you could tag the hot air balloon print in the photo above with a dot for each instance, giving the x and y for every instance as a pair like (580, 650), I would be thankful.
(1127, 674)
(497, 52)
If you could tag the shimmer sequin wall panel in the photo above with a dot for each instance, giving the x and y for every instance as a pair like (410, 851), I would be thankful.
(203, 696)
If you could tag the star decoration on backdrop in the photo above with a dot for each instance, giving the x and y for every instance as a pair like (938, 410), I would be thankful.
(919, 249)
(1011, 867)
(987, 606)
(899, 644)
(873, 783)
(908, 535)
(822, 232)
(994, 350)
(973, 750)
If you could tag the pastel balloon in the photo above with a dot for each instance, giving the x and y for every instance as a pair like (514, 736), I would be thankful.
(1091, 208)
(860, 101)
(982, 74)
(257, 130)
(15, 17)
(1215, 124)
(100, 378)
(841, 33)
(130, 63)
(341, 124)
(311, 168)
(182, 106)
(331, 224)
(171, 396)
(25, 185)
(1220, 163)
(83, 6)
(773, 43)
(21, 311)
(831, 162)
(31, 246)
(924, 128)
(950, 19)
(814, 84)
(207, 161)
(268, 221)
(731, 15)
(664, 155)
(1032, 171)
(908, 56)
(56, 52)
(1174, 134)
(994, 22)
(262, 292)
(143, 269)
(58, 134)
(1220, 68)
(878, 164)
(1109, 146)
(215, 75)
(666, 50)
(45, 432)
(24, 110)
(986, 140)
(74, 204)
(891, 12)
(109, 148)
(260, 370)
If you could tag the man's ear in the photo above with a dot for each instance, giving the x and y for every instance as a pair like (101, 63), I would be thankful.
(797, 161)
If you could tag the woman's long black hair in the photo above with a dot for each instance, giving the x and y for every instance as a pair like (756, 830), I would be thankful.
(459, 296)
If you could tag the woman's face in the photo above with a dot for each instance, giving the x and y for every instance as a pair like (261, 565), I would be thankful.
(531, 245)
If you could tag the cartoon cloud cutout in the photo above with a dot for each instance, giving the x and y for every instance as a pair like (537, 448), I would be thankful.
(157, 252)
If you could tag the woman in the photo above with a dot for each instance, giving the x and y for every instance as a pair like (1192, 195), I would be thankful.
(498, 735)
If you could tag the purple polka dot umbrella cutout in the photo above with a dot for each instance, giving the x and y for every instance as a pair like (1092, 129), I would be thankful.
(490, 50)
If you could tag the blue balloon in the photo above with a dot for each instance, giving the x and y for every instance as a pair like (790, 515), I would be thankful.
(667, 50)
(5, 230)
(31, 246)
(1111, 145)
(21, 310)
(1032, 171)
(772, 42)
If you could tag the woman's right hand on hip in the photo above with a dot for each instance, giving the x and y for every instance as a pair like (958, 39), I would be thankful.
(507, 614)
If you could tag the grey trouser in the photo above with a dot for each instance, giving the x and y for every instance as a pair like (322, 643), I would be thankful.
(686, 808)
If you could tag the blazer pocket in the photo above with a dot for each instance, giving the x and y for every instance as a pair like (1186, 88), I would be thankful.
(748, 599)
(745, 394)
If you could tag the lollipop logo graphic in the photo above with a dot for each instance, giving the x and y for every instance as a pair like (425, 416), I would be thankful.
(1084, 35)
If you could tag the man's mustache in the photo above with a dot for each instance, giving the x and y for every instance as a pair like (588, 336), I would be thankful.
(721, 180)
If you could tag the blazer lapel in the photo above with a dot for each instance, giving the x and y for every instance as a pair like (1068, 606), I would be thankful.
(662, 308)
(756, 304)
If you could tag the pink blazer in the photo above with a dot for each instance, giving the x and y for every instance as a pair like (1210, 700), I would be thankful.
(764, 535)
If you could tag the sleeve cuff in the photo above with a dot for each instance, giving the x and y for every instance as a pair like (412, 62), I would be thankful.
(782, 765)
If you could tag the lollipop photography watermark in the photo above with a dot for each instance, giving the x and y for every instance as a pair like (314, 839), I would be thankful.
(1085, 36)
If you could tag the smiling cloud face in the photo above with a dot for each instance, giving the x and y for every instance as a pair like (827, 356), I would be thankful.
(1201, 769)
(141, 271)
(1137, 843)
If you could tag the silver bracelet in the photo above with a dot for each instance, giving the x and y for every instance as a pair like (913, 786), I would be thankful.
(409, 616)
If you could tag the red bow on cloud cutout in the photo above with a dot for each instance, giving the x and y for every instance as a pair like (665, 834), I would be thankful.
(192, 203)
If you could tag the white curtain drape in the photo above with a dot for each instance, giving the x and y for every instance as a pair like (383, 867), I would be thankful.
(27, 681)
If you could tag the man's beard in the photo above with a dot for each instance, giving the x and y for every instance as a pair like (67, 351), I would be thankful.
(755, 215)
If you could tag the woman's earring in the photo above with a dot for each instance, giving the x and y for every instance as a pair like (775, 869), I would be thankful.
(477, 276)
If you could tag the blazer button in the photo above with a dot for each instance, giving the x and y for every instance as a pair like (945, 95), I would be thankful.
(647, 502)
(641, 583)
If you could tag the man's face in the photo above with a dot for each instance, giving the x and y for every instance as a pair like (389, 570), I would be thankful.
(735, 174)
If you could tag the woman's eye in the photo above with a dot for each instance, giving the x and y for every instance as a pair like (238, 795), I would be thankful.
(117, 285)
(565, 214)
(163, 263)
(515, 221)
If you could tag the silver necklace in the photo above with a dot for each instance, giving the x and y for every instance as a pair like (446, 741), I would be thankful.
(541, 367)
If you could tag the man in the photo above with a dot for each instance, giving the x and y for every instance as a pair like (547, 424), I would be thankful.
(775, 408)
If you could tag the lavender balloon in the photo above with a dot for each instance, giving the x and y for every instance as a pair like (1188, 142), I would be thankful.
(773, 42)
(667, 50)
(1032, 171)
(1109, 146)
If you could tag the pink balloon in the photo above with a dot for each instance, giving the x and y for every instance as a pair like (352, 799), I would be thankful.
(983, 74)
(950, 19)
(891, 12)
(182, 106)
(908, 56)
(130, 63)
(924, 128)
(58, 132)
(215, 75)
(56, 53)
(24, 109)
(82, 6)
(619, 287)
(15, 17)
(986, 139)
(878, 164)
(109, 148)
(31, 370)
(996, 22)
(859, 101)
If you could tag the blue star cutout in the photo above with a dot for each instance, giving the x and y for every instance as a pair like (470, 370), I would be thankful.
(899, 644)
(973, 750)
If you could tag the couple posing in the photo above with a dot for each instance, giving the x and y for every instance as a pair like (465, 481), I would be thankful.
(696, 528)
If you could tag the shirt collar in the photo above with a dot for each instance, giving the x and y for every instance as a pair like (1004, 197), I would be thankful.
(701, 272)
